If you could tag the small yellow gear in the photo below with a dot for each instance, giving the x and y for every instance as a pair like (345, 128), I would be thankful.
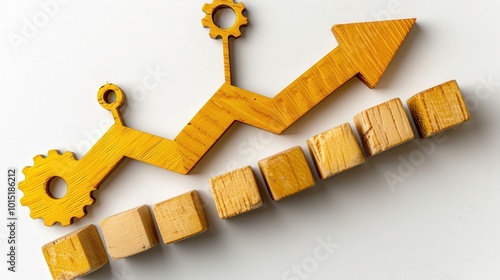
(218, 32)
(37, 195)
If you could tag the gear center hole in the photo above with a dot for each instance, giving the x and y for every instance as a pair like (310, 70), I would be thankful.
(224, 17)
(110, 96)
(57, 188)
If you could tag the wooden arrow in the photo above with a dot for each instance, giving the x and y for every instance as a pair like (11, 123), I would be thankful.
(365, 50)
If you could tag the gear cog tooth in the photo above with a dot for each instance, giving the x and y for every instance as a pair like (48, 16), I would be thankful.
(38, 158)
(69, 154)
(53, 153)
(239, 6)
(23, 200)
(26, 170)
(64, 223)
(206, 8)
(47, 222)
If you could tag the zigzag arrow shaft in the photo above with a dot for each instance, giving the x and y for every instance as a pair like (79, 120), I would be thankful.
(354, 56)
(365, 50)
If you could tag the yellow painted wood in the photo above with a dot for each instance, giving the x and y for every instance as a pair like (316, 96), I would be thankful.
(438, 109)
(383, 127)
(365, 50)
(335, 150)
(235, 192)
(129, 233)
(180, 217)
(286, 173)
(224, 33)
(76, 254)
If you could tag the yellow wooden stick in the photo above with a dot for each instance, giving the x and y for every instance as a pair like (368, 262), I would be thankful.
(365, 50)
(224, 33)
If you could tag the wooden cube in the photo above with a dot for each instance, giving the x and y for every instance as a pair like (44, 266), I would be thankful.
(180, 217)
(129, 233)
(438, 109)
(76, 254)
(235, 192)
(383, 127)
(335, 150)
(286, 173)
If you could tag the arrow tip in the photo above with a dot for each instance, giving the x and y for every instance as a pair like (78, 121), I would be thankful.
(370, 46)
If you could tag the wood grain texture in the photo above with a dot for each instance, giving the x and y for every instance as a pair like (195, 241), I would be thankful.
(365, 50)
(335, 150)
(129, 233)
(286, 173)
(235, 192)
(383, 127)
(437, 109)
(217, 32)
(76, 254)
(180, 217)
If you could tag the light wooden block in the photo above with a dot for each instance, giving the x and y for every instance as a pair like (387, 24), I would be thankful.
(383, 127)
(335, 150)
(180, 217)
(76, 254)
(129, 233)
(286, 173)
(235, 192)
(437, 109)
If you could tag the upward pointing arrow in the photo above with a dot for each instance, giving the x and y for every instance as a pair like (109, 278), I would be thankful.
(365, 50)
(370, 46)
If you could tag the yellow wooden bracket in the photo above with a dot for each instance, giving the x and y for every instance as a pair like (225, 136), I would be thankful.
(364, 50)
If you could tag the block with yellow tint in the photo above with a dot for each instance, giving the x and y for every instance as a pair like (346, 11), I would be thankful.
(383, 127)
(286, 173)
(235, 192)
(180, 217)
(438, 109)
(335, 150)
(76, 254)
(129, 233)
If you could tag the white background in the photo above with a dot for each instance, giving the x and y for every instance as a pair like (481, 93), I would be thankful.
(441, 221)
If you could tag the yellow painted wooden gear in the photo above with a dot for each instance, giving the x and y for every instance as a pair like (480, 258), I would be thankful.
(365, 50)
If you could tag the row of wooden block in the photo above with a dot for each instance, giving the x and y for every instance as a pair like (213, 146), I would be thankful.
(380, 128)
(287, 173)
(125, 234)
